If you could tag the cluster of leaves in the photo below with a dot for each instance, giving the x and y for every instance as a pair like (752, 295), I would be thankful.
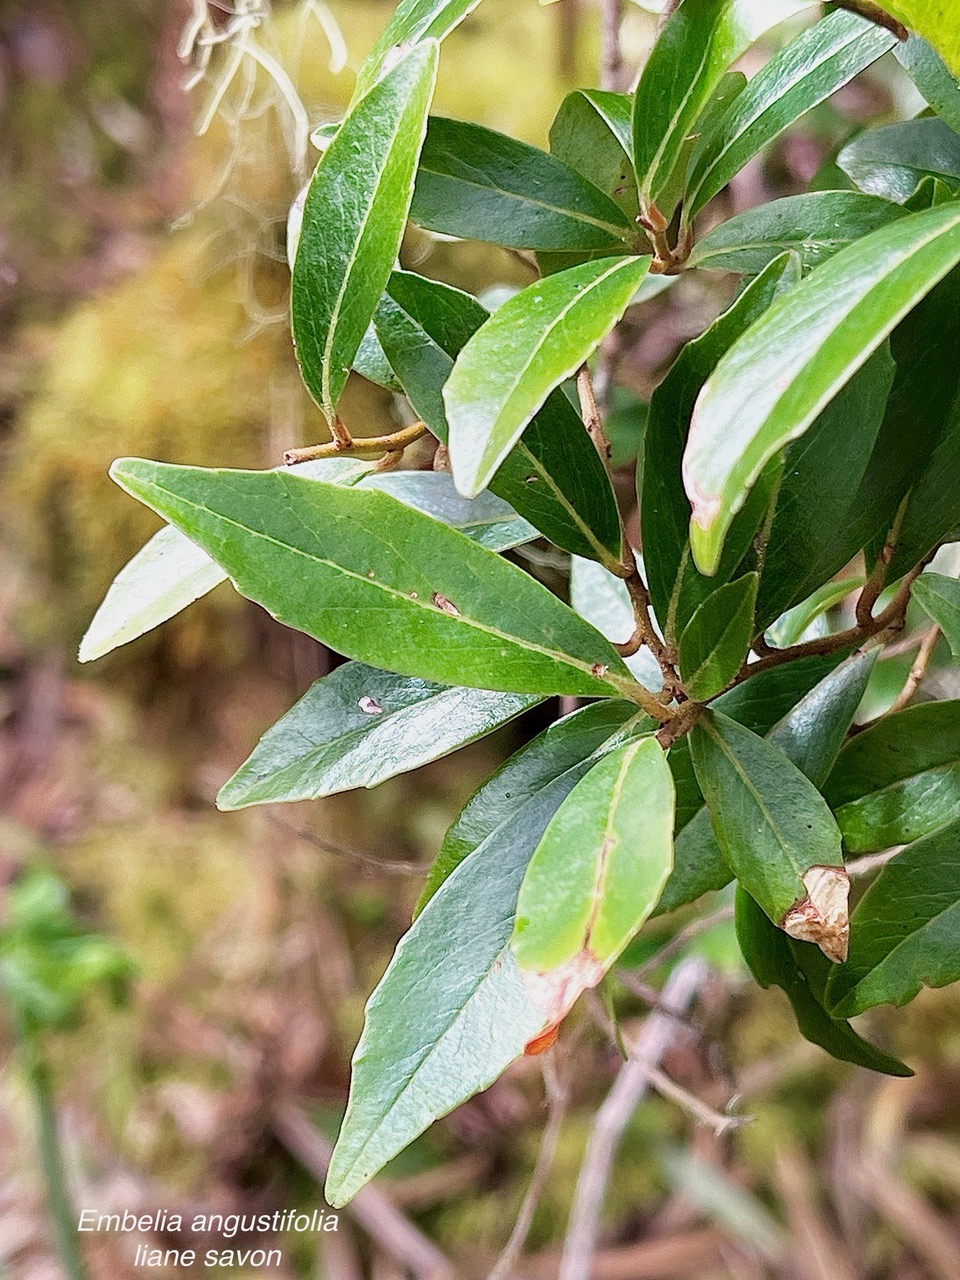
(815, 426)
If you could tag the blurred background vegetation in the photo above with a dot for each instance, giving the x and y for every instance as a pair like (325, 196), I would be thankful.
(142, 297)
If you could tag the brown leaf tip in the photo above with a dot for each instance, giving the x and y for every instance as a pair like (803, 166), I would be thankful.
(823, 916)
(556, 991)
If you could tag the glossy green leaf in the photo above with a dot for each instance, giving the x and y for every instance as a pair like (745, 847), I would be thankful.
(604, 601)
(937, 20)
(697, 46)
(450, 1013)
(566, 745)
(815, 226)
(774, 382)
(477, 184)
(353, 222)
(360, 726)
(802, 971)
(593, 134)
(554, 476)
(596, 875)
(924, 413)
(536, 340)
(933, 78)
(939, 597)
(810, 711)
(806, 72)
(899, 780)
(774, 829)
(486, 519)
(715, 641)
(892, 162)
(371, 362)
(413, 21)
(841, 485)
(903, 933)
(793, 625)
(676, 588)
(170, 572)
(327, 560)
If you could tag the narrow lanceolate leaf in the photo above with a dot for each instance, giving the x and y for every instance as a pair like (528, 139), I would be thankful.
(593, 134)
(796, 623)
(812, 67)
(774, 382)
(676, 588)
(899, 780)
(554, 476)
(715, 641)
(775, 831)
(809, 708)
(379, 581)
(353, 222)
(814, 226)
(928, 71)
(595, 876)
(165, 576)
(414, 21)
(360, 726)
(892, 162)
(802, 971)
(566, 745)
(486, 519)
(536, 340)
(939, 598)
(451, 1012)
(170, 572)
(903, 934)
(477, 184)
(695, 49)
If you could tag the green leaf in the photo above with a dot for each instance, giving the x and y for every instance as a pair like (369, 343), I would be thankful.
(595, 876)
(480, 185)
(593, 134)
(933, 78)
(353, 222)
(939, 598)
(414, 21)
(165, 576)
(380, 582)
(604, 601)
(554, 476)
(170, 572)
(815, 226)
(791, 626)
(937, 20)
(486, 519)
(676, 588)
(809, 710)
(359, 726)
(774, 382)
(697, 46)
(775, 831)
(892, 162)
(715, 641)
(924, 414)
(812, 67)
(903, 934)
(371, 362)
(842, 483)
(532, 344)
(450, 1013)
(801, 971)
(899, 780)
(566, 745)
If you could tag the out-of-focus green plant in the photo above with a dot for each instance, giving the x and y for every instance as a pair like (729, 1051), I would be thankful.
(49, 964)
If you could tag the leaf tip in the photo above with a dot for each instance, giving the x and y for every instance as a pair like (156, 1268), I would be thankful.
(823, 916)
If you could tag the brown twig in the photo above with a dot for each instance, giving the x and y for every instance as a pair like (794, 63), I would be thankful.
(558, 1097)
(590, 412)
(917, 672)
(395, 1234)
(680, 940)
(350, 447)
(628, 1091)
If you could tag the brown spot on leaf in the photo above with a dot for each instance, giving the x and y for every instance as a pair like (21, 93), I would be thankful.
(599, 670)
(544, 1041)
(823, 916)
(446, 605)
(555, 992)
